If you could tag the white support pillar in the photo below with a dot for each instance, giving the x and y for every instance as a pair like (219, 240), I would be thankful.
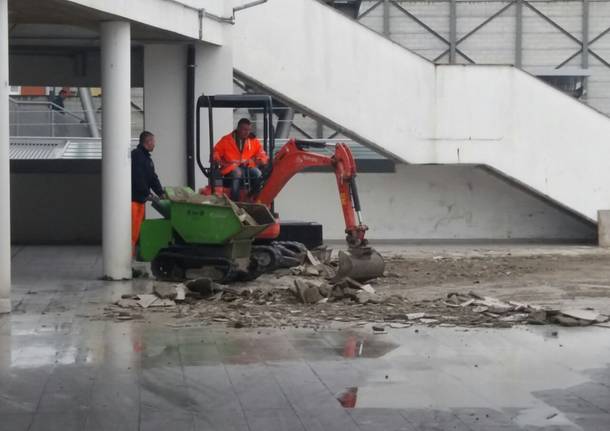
(214, 75)
(165, 110)
(116, 160)
(5, 203)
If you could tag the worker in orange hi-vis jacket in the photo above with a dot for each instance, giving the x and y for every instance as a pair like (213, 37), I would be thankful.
(240, 154)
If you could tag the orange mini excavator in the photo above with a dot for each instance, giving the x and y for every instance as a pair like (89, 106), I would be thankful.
(279, 244)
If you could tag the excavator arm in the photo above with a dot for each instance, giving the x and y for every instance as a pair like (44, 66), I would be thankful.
(359, 262)
(293, 158)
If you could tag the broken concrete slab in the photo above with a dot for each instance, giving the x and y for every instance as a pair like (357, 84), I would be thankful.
(569, 321)
(312, 259)
(581, 314)
(494, 305)
(146, 301)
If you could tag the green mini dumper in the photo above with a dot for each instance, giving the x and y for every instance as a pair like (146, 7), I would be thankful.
(206, 235)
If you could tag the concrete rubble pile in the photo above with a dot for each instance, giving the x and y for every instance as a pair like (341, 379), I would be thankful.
(310, 296)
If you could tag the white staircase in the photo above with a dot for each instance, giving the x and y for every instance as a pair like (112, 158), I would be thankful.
(397, 102)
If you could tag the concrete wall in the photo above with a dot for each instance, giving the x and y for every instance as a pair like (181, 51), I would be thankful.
(504, 118)
(433, 203)
(59, 202)
(347, 74)
(56, 201)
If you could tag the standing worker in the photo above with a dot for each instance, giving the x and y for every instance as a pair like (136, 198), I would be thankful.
(240, 154)
(58, 101)
(143, 180)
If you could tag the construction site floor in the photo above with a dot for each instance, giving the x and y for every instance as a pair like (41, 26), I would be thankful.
(64, 366)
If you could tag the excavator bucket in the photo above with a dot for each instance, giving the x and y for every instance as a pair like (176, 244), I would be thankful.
(361, 264)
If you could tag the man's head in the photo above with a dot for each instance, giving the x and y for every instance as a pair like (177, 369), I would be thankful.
(147, 140)
(244, 128)
(63, 93)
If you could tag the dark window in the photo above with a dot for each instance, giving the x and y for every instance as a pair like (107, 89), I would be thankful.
(569, 84)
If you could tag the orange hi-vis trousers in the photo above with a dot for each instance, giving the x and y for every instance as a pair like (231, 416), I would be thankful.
(137, 217)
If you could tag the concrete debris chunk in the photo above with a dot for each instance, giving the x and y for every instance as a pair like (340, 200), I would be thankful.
(568, 321)
(312, 259)
(589, 315)
(494, 305)
(518, 317)
(368, 298)
(366, 287)
(146, 301)
(415, 316)
(537, 317)
(400, 325)
(164, 290)
(127, 303)
(307, 293)
(180, 293)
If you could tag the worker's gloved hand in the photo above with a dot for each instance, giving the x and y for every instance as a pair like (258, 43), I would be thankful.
(153, 198)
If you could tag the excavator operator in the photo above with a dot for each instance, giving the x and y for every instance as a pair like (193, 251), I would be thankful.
(240, 154)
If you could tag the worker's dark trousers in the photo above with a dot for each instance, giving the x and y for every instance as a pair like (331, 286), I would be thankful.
(254, 175)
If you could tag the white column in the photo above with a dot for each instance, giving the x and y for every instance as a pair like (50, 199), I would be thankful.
(214, 75)
(165, 109)
(5, 200)
(116, 160)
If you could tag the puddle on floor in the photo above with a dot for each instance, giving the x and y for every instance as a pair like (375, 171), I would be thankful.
(441, 369)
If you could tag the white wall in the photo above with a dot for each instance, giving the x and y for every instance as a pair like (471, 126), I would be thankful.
(529, 131)
(432, 202)
(180, 17)
(326, 62)
(421, 113)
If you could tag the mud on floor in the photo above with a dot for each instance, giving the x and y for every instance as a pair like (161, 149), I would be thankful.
(414, 291)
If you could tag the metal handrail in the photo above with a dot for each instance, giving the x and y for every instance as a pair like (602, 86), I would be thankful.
(49, 104)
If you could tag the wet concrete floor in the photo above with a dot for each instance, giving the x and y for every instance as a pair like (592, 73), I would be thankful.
(60, 370)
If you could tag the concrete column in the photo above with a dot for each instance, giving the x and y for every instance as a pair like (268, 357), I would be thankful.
(116, 160)
(5, 203)
(214, 75)
(603, 228)
(165, 109)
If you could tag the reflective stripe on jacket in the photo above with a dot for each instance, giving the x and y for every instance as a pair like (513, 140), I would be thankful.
(227, 154)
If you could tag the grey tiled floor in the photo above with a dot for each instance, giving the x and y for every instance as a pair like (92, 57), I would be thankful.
(62, 370)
